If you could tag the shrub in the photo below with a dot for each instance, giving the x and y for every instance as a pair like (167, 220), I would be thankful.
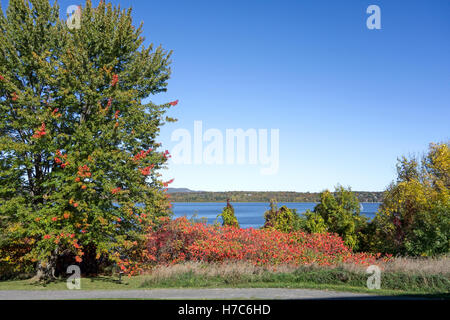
(228, 216)
(180, 240)
(312, 222)
(283, 219)
(341, 214)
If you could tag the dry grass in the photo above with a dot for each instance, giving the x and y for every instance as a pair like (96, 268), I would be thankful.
(419, 265)
(401, 275)
(214, 270)
(229, 270)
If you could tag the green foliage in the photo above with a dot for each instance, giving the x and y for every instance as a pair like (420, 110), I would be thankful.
(430, 232)
(228, 217)
(414, 217)
(341, 214)
(78, 146)
(282, 219)
(312, 222)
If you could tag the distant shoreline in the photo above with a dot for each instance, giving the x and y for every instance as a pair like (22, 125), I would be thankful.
(262, 196)
(259, 201)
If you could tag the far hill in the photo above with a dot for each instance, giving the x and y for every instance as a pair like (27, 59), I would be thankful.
(180, 190)
(187, 195)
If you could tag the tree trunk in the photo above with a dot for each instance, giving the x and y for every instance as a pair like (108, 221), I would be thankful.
(46, 268)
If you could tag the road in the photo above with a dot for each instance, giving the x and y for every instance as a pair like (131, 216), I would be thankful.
(184, 294)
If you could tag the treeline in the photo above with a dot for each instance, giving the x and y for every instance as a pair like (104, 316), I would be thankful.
(248, 196)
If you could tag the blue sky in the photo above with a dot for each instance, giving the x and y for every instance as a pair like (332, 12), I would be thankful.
(347, 100)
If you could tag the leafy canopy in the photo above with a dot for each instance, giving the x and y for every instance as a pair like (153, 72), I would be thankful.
(228, 216)
(341, 214)
(78, 152)
(281, 219)
(414, 217)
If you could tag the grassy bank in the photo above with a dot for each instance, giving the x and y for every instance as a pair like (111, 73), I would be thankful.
(400, 277)
(395, 280)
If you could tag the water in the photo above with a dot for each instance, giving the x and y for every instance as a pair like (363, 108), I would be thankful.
(249, 214)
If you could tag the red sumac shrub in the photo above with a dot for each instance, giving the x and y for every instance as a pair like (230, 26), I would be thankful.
(181, 240)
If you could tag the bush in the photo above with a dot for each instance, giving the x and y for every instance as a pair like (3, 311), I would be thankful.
(179, 240)
(341, 214)
(312, 222)
(228, 217)
(430, 232)
(283, 219)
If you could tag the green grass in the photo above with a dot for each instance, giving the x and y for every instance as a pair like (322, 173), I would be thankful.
(338, 279)
(95, 283)
(313, 278)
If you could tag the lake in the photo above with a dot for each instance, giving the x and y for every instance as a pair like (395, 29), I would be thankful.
(249, 214)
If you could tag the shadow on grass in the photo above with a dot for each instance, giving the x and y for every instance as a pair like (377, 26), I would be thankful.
(106, 279)
(439, 296)
(62, 281)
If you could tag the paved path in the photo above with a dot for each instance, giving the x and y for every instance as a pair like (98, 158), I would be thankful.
(184, 294)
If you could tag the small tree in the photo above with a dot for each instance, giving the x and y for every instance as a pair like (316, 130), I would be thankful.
(282, 219)
(414, 217)
(228, 216)
(312, 222)
(78, 148)
(341, 213)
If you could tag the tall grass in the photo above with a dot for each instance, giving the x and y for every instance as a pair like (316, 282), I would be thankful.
(403, 275)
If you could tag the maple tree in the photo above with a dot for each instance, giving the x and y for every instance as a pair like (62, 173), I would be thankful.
(78, 151)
